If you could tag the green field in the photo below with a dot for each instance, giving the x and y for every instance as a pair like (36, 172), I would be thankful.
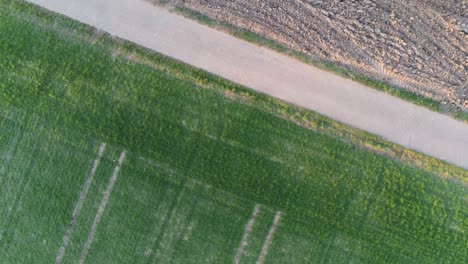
(198, 161)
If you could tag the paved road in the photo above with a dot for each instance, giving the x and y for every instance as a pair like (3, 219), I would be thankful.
(274, 74)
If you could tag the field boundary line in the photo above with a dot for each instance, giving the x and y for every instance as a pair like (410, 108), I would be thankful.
(269, 238)
(79, 204)
(102, 207)
(248, 230)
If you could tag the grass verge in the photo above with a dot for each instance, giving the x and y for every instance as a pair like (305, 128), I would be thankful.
(300, 116)
(321, 64)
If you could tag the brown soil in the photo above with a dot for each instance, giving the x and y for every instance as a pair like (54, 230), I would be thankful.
(417, 45)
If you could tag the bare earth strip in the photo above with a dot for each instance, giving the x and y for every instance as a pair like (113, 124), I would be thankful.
(269, 238)
(79, 204)
(248, 230)
(274, 74)
(101, 208)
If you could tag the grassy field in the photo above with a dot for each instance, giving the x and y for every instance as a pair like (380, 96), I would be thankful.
(199, 159)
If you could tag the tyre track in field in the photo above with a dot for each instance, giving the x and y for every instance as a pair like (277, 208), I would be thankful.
(79, 204)
(13, 209)
(13, 147)
(248, 229)
(182, 186)
(161, 196)
(102, 207)
(189, 217)
(157, 241)
(269, 238)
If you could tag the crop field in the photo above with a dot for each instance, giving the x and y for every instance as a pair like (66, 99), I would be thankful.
(107, 160)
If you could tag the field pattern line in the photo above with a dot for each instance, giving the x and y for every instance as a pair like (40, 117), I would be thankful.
(79, 204)
(11, 210)
(8, 156)
(248, 230)
(170, 245)
(102, 207)
(156, 242)
(269, 238)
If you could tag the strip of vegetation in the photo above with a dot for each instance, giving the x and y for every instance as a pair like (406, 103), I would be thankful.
(303, 117)
(129, 51)
(345, 202)
(322, 64)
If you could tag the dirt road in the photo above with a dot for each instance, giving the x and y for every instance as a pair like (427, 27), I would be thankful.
(274, 74)
(417, 45)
